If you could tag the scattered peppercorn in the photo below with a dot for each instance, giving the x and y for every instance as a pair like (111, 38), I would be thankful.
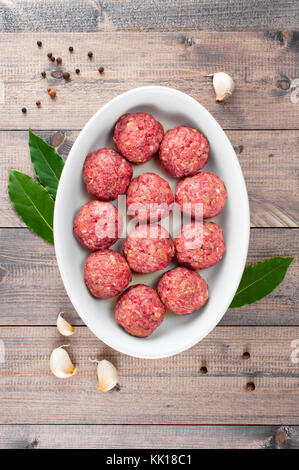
(203, 370)
(66, 75)
(77, 70)
(246, 355)
(49, 55)
(250, 386)
(39, 43)
(101, 69)
(71, 49)
(90, 54)
(59, 60)
(43, 74)
(38, 103)
(52, 93)
(52, 58)
(24, 110)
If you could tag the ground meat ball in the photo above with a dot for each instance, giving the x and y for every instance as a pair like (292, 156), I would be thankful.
(139, 310)
(149, 198)
(97, 225)
(182, 290)
(138, 136)
(148, 248)
(200, 246)
(106, 273)
(203, 195)
(106, 174)
(184, 151)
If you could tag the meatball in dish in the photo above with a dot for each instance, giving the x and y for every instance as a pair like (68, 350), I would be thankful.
(139, 310)
(106, 273)
(98, 225)
(200, 245)
(148, 248)
(106, 174)
(202, 195)
(138, 136)
(183, 151)
(182, 291)
(149, 198)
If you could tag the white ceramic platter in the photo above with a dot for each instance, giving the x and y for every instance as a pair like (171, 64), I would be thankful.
(177, 333)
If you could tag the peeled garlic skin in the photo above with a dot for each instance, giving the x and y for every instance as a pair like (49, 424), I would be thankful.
(223, 85)
(60, 363)
(107, 375)
(64, 327)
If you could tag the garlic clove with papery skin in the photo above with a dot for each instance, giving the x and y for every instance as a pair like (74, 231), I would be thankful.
(60, 363)
(223, 85)
(107, 375)
(64, 327)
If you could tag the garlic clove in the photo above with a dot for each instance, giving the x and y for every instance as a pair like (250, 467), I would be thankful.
(60, 363)
(223, 85)
(64, 327)
(107, 375)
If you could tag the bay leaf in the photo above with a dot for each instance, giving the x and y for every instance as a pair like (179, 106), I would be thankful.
(260, 279)
(46, 162)
(32, 203)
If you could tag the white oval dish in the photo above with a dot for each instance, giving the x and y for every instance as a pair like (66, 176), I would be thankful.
(177, 333)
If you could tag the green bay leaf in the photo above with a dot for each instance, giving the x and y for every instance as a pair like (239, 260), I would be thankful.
(260, 279)
(46, 162)
(32, 203)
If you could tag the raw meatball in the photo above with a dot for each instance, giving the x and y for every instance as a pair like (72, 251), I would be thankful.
(106, 273)
(97, 225)
(138, 136)
(182, 290)
(139, 310)
(184, 151)
(200, 246)
(148, 248)
(149, 198)
(203, 195)
(106, 174)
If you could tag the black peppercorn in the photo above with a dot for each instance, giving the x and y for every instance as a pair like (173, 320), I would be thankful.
(43, 74)
(101, 69)
(77, 71)
(24, 110)
(52, 58)
(203, 370)
(246, 355)
(66, 75)
(90, 54)
(71, 49)
(59, 60)
(39, 43)
(49, 55)
(38, 103)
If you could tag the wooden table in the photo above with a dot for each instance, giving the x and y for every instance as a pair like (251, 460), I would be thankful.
(161, 403)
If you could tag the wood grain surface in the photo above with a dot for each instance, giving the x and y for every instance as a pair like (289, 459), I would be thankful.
(273, 194)
(262, 65)
(108, 15)
(147, 437)
(165, 391)
(32, 292)
(165, 403)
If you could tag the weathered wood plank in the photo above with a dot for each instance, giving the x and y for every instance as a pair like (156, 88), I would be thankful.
(168, 391)
(262, 64)
(269, 161)
(32, 292)
(94, 15)
(147, 437)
